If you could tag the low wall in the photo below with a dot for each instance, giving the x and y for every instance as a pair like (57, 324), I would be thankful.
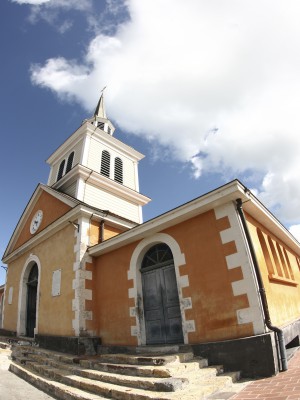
(254, 356)
(68, 344)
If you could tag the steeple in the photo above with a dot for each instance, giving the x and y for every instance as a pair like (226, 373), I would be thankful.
(100, 109)
(98, 169)
(100, 119)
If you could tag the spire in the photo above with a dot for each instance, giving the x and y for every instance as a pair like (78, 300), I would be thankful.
(100, 109)
(99, 119)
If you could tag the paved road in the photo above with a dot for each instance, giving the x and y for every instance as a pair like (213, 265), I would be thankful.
(13, 387)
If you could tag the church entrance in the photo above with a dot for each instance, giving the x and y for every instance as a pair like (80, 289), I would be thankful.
(31, 300)
(160, 295)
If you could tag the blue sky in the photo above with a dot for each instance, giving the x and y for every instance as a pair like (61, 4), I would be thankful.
(208, 90)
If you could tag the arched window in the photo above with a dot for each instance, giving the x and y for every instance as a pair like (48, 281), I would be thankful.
(118, 170)
(275, 257)
(159, 255)
(105, 163)
(100, 125)
(265, 252)
(61, 170)
(33, 275)
(70, 162)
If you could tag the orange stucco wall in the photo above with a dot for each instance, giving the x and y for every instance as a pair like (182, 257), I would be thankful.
(213, 303)
(111, 297)
(94, 233)
(279, 267)
(55, 313)
(111, 231)
(52, 210)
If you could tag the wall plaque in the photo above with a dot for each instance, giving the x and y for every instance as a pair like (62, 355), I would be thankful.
(56, 282)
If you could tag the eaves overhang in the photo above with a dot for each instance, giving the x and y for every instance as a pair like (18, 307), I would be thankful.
(101, 181)
(222, 195)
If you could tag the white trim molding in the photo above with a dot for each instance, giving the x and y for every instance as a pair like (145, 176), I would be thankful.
(22, 301)
(248, 285)
(136, 292)
(81, 294)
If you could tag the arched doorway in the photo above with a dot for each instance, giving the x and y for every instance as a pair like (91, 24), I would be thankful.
(32, 284)
(163, 321)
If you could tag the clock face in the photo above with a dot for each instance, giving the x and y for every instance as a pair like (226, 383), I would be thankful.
(36, 221)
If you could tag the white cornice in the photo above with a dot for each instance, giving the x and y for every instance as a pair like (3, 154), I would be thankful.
(44, 234)
(103, 183)
(209, 201)
(62, 222)
(87, 129)
(116, 188)
(34, 198)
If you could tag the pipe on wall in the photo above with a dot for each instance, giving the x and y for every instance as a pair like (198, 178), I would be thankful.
(101, 231)
(262, 292)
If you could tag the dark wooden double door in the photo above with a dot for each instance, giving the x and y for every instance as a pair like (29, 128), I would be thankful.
(31, 301)
(161, 306)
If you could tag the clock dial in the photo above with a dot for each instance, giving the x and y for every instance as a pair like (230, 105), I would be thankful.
(36, 221)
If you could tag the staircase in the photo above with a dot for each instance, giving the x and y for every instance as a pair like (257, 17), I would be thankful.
(151, 375)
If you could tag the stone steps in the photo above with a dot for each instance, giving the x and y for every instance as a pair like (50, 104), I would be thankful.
(55, 370)
(144, 370)
(120, 376)
(53, 388)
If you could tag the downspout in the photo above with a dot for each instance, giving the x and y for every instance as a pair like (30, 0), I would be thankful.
(101, 238)
(262, 292)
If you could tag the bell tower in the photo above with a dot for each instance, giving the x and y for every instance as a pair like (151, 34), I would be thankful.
(98, 169)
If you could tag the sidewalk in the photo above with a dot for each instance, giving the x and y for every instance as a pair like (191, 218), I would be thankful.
(14, 388)
(284, 386)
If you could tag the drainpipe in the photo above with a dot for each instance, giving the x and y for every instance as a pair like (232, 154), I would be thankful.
(101, 231)
(262, 292)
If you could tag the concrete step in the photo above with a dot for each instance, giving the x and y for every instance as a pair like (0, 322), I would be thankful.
(157, 360)
(55, 389)
(123, 376)
(125, 369)
(75, 388)
(144, 370)
(58, 371)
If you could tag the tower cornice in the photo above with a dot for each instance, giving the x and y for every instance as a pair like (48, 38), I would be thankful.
(89, 130)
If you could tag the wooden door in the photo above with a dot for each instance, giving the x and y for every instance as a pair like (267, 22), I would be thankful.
(161, 301)
(31, 301)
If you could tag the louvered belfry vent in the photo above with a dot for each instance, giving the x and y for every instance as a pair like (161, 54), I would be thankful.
(100, 125)
(105, 163)
(70, 162)
(61, 170)
(118, 173)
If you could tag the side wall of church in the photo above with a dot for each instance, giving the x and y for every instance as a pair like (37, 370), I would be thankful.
(55, 256)
(280, 269)
(216, 291)
(112, 303)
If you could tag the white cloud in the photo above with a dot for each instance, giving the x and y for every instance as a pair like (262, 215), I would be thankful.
(295, 231)
(32, 2)
(216, 82)
(52, 11)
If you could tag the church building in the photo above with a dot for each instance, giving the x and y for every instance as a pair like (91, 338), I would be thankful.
(219, 273)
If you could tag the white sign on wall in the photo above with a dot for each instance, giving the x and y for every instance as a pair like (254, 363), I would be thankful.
(10, 295)
(56, 282)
